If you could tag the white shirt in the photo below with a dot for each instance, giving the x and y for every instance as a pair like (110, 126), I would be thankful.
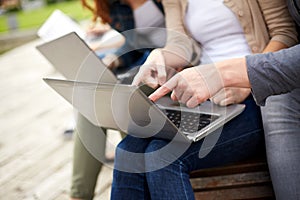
(148, 15)
(217, 29)
(149, 24)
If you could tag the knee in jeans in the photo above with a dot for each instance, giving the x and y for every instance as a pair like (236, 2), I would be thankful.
(161, 154)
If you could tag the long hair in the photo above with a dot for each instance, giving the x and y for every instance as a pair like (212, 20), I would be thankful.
(101, 10)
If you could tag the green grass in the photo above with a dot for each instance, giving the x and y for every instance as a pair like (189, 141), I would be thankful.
(35, 18)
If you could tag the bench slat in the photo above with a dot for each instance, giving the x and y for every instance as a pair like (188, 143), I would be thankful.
(246, 193)
(230, 181)
(246, 180)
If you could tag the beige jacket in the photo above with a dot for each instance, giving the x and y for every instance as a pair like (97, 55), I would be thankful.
(262, 21)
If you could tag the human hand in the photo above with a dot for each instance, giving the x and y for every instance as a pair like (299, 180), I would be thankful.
(134, 4)
(97, 30)
(230, 95)
(192, 86)
(111, 61)
(154, 71)
(94, 31)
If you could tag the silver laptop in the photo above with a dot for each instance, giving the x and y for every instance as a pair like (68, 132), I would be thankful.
(111, 105)
(72, 57)
(127, 108)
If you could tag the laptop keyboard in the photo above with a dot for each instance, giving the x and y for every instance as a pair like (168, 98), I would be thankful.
(190, 122)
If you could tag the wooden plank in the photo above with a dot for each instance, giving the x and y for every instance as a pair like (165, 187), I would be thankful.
(245, 193)
(35, 159)
(21, 140)
(234, 180)
(26, 113)
(32, 146)
(245, 180)
(30, 169)
(54, 185)
(246, 166)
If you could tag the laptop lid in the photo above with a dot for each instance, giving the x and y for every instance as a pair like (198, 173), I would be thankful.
(71, 56)
(127, 108)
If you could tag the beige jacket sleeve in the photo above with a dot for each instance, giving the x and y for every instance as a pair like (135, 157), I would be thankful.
(182, 49)
(264, 20)
(278, 21)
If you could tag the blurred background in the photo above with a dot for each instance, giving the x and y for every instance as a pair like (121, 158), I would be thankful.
(35, 154)
(20, 19)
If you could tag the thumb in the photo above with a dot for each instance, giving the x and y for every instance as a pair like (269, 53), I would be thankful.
(136, 80)
(164, 89)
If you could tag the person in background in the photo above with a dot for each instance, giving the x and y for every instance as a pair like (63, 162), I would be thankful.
(125, 17)
(89, 144)
(237, 29)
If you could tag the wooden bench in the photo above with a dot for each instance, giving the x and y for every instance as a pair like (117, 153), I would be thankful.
(247, 180)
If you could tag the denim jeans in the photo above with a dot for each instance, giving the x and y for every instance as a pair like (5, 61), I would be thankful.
(240, 139)
(281, 117)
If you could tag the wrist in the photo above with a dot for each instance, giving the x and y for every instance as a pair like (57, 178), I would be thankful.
(111, 60)
(134, 4)
(234, 72)
(224, 72)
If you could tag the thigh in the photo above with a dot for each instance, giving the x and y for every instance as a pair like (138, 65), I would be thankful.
(129, 181)
(130, 154)
(92, 137)
(239, 139)
(281, 115)
(171, 163)
(87, 158)
(282, 124)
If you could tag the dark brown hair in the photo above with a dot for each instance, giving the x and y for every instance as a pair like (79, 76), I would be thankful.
(101, 10)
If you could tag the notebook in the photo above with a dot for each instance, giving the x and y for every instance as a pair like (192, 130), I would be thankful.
(97, 94)
(59, 24)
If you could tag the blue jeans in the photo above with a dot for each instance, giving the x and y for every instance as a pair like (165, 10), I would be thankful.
(240, 139)
(281, 117)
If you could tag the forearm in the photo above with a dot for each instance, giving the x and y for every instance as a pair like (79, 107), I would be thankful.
(134, 4)
(180, 49)
(175, 58)
(274, 73)
(267, 74)
(274, 46)
(233, 73)
(280, 25)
